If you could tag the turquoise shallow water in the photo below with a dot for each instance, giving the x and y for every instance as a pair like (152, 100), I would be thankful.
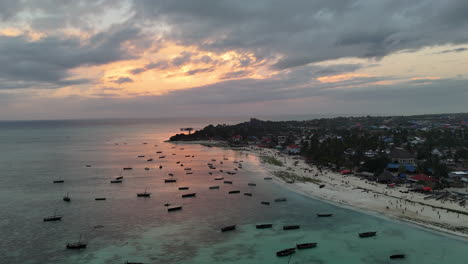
(35, 153)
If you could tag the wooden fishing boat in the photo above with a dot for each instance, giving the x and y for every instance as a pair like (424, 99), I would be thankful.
(100, 199)
(306, 245)
(54, 217)
(183, 188)
(128, 168)
(219, 179)
(77, 245)
(228, 228)
(227, 182)
(248, 194)
(324, 215)
(265, 203)
(291, 227)
(286, 252)
(169, 180)
(232, 192)
(397, 256)
(187, 195)
(176, 208)
(252, 184)
(116, 181)
(58, 181)
(214, 187)
(263, 226)
(367, 234)
(67, 198)
(144, 194)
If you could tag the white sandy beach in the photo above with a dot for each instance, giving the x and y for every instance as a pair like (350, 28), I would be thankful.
(355, 192)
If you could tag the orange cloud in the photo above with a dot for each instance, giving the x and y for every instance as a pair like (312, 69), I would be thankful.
(342, 77)
(426, 78)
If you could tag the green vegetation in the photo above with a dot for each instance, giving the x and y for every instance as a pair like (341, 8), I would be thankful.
(271, 160)
(291, 177)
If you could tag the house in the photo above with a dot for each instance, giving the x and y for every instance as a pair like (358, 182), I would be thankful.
(422, 177)
(282, 139)
(402, 156)
(293, 149)
(237, 138)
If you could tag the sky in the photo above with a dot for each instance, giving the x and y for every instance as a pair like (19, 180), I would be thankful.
(68, 59)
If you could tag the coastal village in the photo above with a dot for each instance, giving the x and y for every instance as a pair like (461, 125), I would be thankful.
(414, 168)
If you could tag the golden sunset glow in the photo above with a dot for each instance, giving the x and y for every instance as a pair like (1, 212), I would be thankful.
(342, 77)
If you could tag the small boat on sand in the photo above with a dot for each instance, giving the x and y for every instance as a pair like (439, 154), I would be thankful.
(171, 174)
(58, 181)
(232, 192)
(286, 252)
(324, 215)
(252, 184)
(263, 226)
(169, 180)
(128, 168)
(248, 194)
(265, 203)
(116, 181)
(183, 188)
(187, 195)
(219, 179)
(306, 245)
(176, 208)
(77, 245)
(228, 228)
(147, 168)
(141, 156)
(280, 200)
(149, 160)
(367, 234)
(227, 182)
(321, 186)
(214, 187)
(88, 166)
(100, 199)
(397, 256)
(119, 178)
(291, 227)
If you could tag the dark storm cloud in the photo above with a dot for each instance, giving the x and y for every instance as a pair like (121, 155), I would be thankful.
(160, 65)
(452, 50)
(24, 62)
(123, 80)
(303, 31)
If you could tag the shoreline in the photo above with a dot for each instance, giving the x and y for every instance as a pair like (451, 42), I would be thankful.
(357, 194)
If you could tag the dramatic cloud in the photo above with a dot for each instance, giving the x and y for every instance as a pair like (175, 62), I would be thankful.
(47, 61)
(193, 56)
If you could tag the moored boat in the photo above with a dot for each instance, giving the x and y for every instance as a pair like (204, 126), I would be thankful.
(100, 199)
(263, 226)
(187, 195)
(218, 179)
(324, 215)
(367, 234)
(214, 187)
(77, 245)
(116, 181)
(291, 227)
(397, 256)
(252, 184)
(183, 188)
(280, 200)
(54, 217)
(265, 203)
(227, 182)
(306, 245)
(128, 168)
(144, 194)
(67, 198)
(176, 208)
(248, 194)
(236, 191)
(58, 181)
(169, 180)
(286, 252)
(228, 228)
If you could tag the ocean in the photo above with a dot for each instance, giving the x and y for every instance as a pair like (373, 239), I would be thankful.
(135, 229)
